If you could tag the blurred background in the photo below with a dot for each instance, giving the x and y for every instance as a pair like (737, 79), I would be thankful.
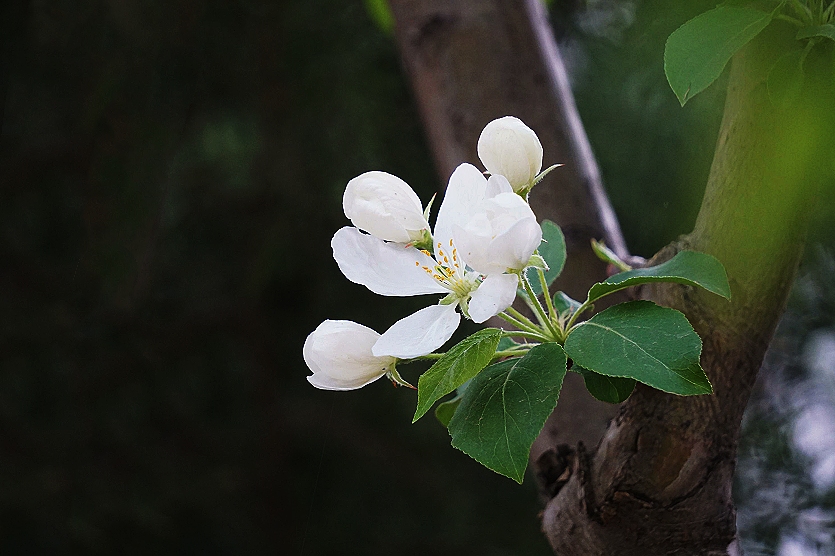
(170, 176)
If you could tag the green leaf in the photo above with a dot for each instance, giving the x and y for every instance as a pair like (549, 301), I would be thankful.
(505, 407)
(446, 410)
(380, 13)
(697, 52)
(826, 31)
(458, 365)
(563, 303)
(654, 345)
(552, 249)
(785, 79)
(687, 267)
(607, 255)
(506, 343)
(609, 389)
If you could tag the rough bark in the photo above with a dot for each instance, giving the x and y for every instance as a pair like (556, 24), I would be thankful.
(660, 481)
(471, 61)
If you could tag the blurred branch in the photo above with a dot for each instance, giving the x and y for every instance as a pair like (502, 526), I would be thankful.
(471, 61)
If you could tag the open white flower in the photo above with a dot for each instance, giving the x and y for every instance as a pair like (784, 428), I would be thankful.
(509, 148)
(386, 207)
(339, 354)
(390, 269)
(501, 236)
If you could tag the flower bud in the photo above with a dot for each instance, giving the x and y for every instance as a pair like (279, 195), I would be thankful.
(501, 235)
(385, 206)
(339, 354)
(509, 148)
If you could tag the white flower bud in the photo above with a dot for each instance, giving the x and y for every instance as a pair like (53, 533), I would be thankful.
(339, 354)
(501, 235)
(509, 148)
(384, 206)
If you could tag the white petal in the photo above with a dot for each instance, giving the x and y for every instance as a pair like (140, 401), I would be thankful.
(497, 184)
(494, 295)
(384, 206)
(516, 246)
(384, 268)
(420, 333)
(509, 148)
(339, 354)
(502, 234)
(467, 188)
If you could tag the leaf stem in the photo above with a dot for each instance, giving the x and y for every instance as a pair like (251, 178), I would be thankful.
(509, 353)
(522, 318)
(532, 329)
(580, 310)
(529, 335)
(802, 10)
(540, 312)
(428, 356)
(545, 292)
(790, 19)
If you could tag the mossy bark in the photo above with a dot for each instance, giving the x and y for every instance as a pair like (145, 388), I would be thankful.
(660, 480)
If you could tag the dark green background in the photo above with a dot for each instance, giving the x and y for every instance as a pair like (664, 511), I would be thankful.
(170, 176)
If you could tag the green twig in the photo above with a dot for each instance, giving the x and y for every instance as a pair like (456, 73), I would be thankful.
(545, 292)
(538, 332)
(522, 318)
(540, 312)
(528, 335)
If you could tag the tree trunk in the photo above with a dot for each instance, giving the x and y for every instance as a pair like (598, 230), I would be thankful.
(471, 61)
(660, 481)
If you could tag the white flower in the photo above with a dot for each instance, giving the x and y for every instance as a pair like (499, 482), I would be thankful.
(501, 236)
(386, 207)
(509, 148)
(339, 354)
(391, 269)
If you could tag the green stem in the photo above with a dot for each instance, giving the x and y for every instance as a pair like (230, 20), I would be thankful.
(509, 353)
(522, 318)
(527, 301)
(802, 10)
(528, 335)
(790, 19)
(580, 310)
(428, 356)
(540, 312)
(521, 325)
(545, 292)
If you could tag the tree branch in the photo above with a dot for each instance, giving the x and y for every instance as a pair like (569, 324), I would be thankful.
(660, 481)
(471, 61)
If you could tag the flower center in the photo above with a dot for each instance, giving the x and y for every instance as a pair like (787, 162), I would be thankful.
(450, 272)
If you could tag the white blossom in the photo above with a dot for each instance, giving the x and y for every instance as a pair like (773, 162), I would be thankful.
(509, 148)
(391, 269)
(339, 354)
(386, 207)
(501, 236)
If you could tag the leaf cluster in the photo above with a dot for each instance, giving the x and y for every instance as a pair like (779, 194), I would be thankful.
(698, 51)
(505, 390)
